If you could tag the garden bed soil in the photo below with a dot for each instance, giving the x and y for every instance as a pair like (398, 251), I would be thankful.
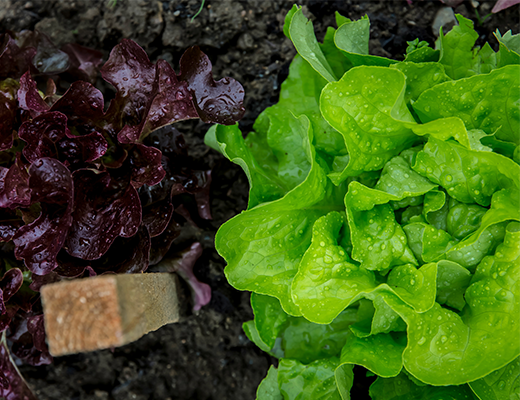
(206, 355)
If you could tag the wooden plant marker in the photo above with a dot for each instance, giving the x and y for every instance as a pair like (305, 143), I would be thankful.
(106, 311)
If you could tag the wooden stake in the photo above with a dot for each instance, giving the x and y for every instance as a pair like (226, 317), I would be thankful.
(106, 311)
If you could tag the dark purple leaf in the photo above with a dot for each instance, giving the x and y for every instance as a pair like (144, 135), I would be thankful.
(146, 165)
(14, 61)
(216, 101)
(105, 208)
(161, 244)
(11, 282)
(40, 280)
(170, 142)
(50, 182)
(197, 183)
(130, 71)
(503, 4)
(28, 97)
(156, 217)
(75, 150)
(126, 255)
(12, 386)
(14, 185)
(36, 328)
(9, 223)
(200, 292)
(202, 195)
(49, 60)
(8, 109)
(82, 103)
(5, 319)
(41, 135)
(39, 242)
(28, 337)
(170, 101)
(83, 61)
(184, 213)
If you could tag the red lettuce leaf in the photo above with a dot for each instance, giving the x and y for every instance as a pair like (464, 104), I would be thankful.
(170, 101)
(14, 185)
(48, 60)
(9, 224)
(198, 184)
(148, 96)
(130, 71)
(180, 178)
(8, 110)
(156, 217)
(84, 62)
(12, 384)
(200, 292)
(39, 242)
(126, 255)
(146, 165)
(40, 280)
(105, 208)
(28, 97)
(28, 337)
(10, 284)
(83, 105)
(503, 4)
(216, 101)
(41, 135)
(78, 150)
(161, 243)
(14, 61)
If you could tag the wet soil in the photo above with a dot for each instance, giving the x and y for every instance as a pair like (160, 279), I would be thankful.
(206, 355)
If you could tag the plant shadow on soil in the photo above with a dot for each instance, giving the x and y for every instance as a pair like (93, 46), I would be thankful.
(207, 355)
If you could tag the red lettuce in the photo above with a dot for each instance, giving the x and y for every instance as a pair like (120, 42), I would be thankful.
(87, 189)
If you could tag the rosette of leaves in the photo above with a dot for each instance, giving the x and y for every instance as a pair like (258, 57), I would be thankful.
(383, 224)
(87, 189)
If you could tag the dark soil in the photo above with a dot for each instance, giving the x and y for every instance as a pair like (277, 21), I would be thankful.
(206, 355)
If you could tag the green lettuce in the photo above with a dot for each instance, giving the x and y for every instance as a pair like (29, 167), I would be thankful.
(383, 224)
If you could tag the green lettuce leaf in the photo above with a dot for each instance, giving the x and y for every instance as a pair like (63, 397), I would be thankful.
(300, 30)
(314, 381)
(420, 76)
(382, 354)
(264, 245)
(375, 124)
(402, 388)
(268, 389)
(456, 49)
(269, 318)
(509, 51)
(489, 102)
(352, 38)
(447, 349)
(502, 384)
